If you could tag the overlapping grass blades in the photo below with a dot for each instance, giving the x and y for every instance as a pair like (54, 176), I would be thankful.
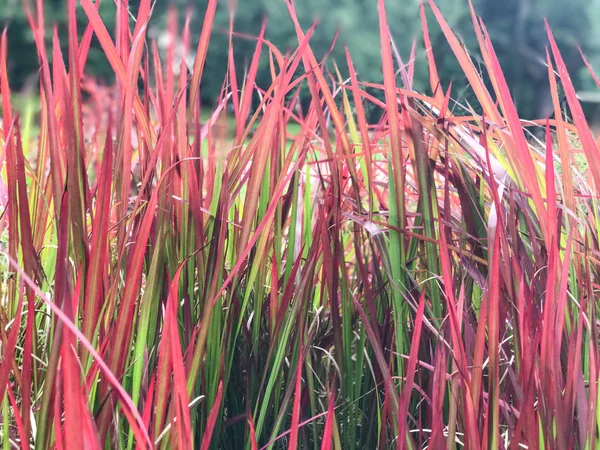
(429, 280)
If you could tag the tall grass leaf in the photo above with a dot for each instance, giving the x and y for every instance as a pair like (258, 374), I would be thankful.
(128, 408)
(585, 134)
(212, 419)
(328, 430)
(311, 65)
(390, 389)
(57, 163)
(31, 266)
(263, 147)
(231, 70)
(493, 347)
(469, 70)
(434, 78)
(79, 429)
(9, 348)
(589, 68)
(77, 183)
(403, 425)
(563, 150)
(18, 420)
(95, 275)
(179, 379)
(361, 118)
(396, 176)
(249, 82)
(125, 145)
(528, 172)
(85, 43)
(201, 51)
(458, 348)
(61, 294)
(117, 65)
(253, 443)
(59, 438)
(282, 183)
(148, 402)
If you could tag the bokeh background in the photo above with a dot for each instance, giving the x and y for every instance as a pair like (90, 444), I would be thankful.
(516, 27)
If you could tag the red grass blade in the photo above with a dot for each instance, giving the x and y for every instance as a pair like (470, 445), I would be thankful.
(129, 408)
(9, 352)
(410, 375)
(585, 134)
(231, 70)
(249, 81)
(118, 66)
(328, 430)
(18, 421)
(77, 183)
(493, 347)
(468, 68)
(179, 380)
(79, 424)
(589, 68)
(30, 264)
(201, 51)
(523, 159)
(563, 150)
(212, 419)
(253, 443)
(459, 351)
(94, 283)
(363, 127)
(434, 78)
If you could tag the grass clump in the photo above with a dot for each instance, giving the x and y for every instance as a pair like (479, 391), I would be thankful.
(273, 277)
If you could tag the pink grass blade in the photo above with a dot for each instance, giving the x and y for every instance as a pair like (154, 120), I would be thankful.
(523, 160)
(117, 65)
(79, 429)
(563, 150)
(458, 347)
(249, 81)
(467, 66)
(212, 419)
(31, 266)
(403, 425)
(129, 408)
(179, 379)
(77, 183)
(94, 283)
(201, 51)
(10, 345)
(434, 78)
(253, 443)
(231, 70)
(363, 127)
(328, 430)
(493, 347)
(585, 134)
(18, 420)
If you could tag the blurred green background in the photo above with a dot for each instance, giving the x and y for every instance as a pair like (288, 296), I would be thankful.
(516, 27)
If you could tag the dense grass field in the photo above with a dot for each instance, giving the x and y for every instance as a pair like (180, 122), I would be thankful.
(258, 276)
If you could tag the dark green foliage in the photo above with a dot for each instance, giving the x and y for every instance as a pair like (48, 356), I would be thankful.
(21, 40)
(515, 25)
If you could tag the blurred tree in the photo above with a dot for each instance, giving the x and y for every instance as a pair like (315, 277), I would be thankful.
(22, 53)
(519, 36)
(356, 20)
(516, 28)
